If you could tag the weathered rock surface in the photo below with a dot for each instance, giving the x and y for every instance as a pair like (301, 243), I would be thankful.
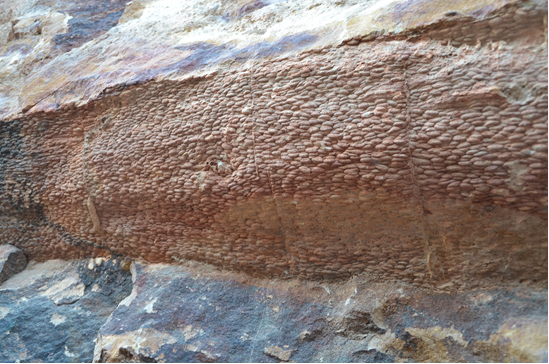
(12, 261)
(195, 314)
(319, 151)
(379, 167)
(65, 51)
(52, 311)
(77, 311)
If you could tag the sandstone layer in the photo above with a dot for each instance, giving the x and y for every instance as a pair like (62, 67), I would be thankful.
(404, 141)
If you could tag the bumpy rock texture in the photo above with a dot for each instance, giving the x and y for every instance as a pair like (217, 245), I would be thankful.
(417, 154)
(400, 141)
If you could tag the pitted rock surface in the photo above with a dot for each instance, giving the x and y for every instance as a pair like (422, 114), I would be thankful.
(12, 261)
(418, 156)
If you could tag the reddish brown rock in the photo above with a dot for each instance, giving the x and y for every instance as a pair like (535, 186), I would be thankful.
(417, 156)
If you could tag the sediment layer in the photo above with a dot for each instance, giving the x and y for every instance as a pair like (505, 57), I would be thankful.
(420, 157)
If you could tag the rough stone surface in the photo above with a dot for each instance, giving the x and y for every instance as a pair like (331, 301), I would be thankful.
(193, 313)
(168, 39)
(80, 311)
(12, 261)
(52, 311)
(417, 154)
(374, 170)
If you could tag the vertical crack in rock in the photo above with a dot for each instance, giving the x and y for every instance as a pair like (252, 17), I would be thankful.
(253, 112)
(415, 187)
(268, 172)
(280, 222)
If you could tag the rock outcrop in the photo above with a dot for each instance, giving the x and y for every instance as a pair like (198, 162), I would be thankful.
(82, 310)
(399, 143)
(417, 154)
(193, 313)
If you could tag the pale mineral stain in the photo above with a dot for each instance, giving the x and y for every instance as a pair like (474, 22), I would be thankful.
(70, 288)
(57, 319)
(145, 341)
(149, 308)
(522, 340)
(191, 332)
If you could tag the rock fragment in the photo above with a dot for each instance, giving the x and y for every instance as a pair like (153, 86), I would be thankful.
(278, 353)
(52, 311)
(12, 261)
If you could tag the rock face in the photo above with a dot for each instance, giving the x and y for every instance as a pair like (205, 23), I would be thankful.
(417, 154)
(400, 145)
(12, 261)
(79, 311)
(195, 314)
(51, 312)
